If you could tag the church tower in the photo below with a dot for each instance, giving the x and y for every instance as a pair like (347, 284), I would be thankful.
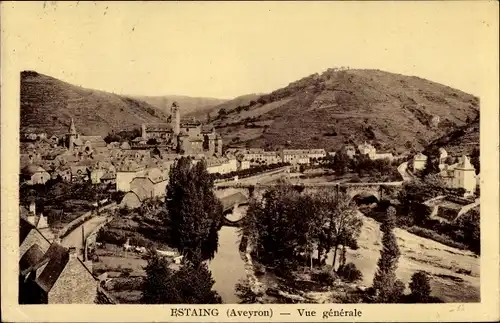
(72, 135)
(175, 118)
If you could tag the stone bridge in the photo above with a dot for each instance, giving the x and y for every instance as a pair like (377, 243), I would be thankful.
(379, 190)
(234, 195)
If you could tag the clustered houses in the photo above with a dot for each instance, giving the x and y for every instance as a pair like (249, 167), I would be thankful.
(257, 156)
(458, 175)
(50, 273)
(367, 149)
(76, 157)
(185, 136)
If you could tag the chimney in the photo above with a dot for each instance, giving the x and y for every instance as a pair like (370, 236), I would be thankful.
(32, 207)
(72, 253)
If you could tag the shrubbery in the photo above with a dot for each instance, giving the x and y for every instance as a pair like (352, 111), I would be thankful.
(325, 276)
(350, 273)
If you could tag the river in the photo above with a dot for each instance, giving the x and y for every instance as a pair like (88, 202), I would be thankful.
(227, 267)
(445, 264)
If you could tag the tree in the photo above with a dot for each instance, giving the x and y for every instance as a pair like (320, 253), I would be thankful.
(414, 193)
(432, 162)
(339, 223)
(341, 162)
(469, 224)
(192, 284)
(152, 141)
(287, 225)
(195, 213)
(474, 159)
(384, 282)
(420, 287)
(282, 227)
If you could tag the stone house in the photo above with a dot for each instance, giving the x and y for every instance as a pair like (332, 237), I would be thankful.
(419, 161)
(33, 175)
(461, 175)
(367, 149)
(350, 151)
(221, 165)
(50, 273)
(60, 277)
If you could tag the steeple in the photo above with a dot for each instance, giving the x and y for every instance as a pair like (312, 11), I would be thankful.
(72, 129)
(72, 135)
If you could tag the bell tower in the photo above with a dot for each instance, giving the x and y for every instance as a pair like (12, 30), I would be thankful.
(175, 118)
(72, 135)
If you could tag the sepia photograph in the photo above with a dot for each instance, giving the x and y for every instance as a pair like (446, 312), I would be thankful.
(203, 153)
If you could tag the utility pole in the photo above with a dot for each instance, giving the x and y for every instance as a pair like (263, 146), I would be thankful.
(83, 243)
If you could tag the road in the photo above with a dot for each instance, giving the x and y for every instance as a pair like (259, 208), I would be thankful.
(403, 170)
(74, 238)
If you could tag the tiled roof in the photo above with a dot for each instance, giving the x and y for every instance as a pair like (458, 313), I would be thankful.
(58, 257)
(159, 127)
(32, 169)
(207, 129)
(32, 257)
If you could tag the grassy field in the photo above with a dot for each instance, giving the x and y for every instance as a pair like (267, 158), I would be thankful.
(454, 272)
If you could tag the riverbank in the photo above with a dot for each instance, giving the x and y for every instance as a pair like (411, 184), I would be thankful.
(453, 273)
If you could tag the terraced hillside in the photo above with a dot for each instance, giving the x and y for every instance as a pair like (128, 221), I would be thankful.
(48, 104)
(395, 112)
(461, 141)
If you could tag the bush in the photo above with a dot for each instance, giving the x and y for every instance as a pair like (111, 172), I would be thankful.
(325, 276)
(420, 287)
(350, 273)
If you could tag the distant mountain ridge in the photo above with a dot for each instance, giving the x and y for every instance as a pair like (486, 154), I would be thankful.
(48, 104)
(395, 112)
(189, 105)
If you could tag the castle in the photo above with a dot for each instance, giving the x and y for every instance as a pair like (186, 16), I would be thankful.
(185, 136)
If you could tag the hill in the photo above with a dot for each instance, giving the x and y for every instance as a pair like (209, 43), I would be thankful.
(460, 141)
(394, 112)
(191, 106)
(48, 104)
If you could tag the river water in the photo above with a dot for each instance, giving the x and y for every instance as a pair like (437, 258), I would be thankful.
(227, 267)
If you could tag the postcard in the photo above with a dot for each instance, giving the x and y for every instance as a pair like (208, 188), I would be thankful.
(249, 161)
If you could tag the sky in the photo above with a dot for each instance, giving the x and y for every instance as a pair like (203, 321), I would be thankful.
(223, 50)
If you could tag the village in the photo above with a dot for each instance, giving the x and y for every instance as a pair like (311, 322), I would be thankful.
(106, 187)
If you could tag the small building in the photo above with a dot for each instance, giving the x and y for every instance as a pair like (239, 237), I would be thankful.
(461, 175)
(33, 175)
(419, 161)
(49, 273)
(60, 277)
(109, 177)
(244, 164)
(295, 156)
(367, 149)
(443, 154)
(350, 151)
(96, 175)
